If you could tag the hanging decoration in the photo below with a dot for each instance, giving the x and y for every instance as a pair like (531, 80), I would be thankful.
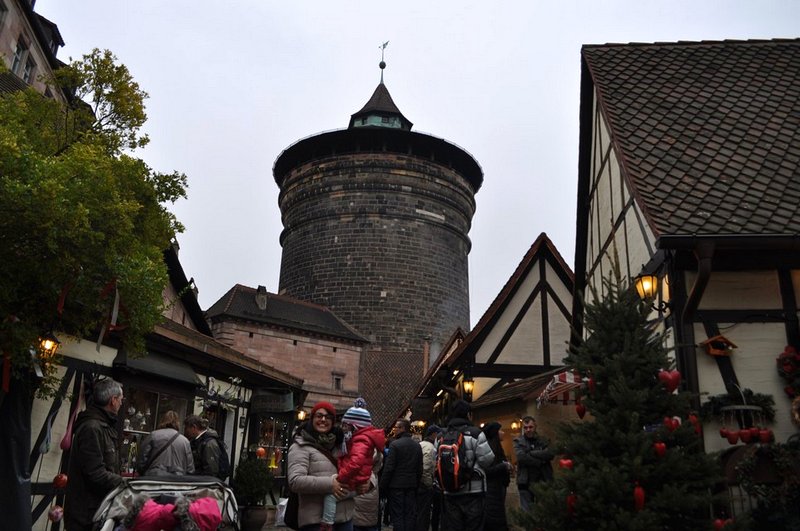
(670, 379)
(789, 369)
(638, 497)
(572, 499)
(660, 448)
(565, 463)
(718, 346)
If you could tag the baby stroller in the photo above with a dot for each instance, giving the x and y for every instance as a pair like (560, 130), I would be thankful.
(156, 501)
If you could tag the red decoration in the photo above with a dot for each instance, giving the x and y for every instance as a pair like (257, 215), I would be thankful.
(765, 435)
(591, 384)
(673, 423)
(745, 435)
(698, 428)
(572, 499)
(670, 379)
(261, 452)
(660, 448)
(565, 463)
(723, 432)
(60, 481)
(788, 363)
(55, 514)
(733, 437)
(580, 409)
(719, 523)
(638, 497)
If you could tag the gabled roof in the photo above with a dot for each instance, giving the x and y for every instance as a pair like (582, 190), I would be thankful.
(542, 248)
(185, 288)
(381, 103)
(708, 133)
(283, 312)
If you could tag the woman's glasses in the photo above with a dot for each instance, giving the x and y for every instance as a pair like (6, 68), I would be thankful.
(322, 416)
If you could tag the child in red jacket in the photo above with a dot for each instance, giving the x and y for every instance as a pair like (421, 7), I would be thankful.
(361, 441)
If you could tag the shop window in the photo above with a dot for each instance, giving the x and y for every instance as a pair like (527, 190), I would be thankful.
(140, 415)
(273, 436)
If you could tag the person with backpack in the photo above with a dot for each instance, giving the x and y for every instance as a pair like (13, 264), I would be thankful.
(166, 452)
(209, 452)
(462, 455)
(401, 477)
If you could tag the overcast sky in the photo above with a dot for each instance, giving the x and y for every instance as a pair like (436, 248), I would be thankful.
(234, 83)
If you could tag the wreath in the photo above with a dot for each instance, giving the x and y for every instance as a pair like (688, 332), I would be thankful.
(789, 368)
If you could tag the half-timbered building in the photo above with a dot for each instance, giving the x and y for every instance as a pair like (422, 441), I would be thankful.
(688, 170)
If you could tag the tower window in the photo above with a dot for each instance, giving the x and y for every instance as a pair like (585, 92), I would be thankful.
(337, 383)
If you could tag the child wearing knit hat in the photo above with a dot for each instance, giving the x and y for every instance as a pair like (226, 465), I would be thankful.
(361, 441)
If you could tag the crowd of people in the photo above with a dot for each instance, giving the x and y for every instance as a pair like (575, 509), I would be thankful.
(348, 475)
(403, 483)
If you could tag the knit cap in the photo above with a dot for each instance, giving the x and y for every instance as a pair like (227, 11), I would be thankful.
(358, 415)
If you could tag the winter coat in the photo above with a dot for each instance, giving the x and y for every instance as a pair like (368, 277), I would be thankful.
(355, 467)
(533, 460)
(428, 463)
(498, 477)
(403, 466)
(478, 452)
(367, 508)
(205, 453)
(175, 460)
(93, 466)
(310, 474)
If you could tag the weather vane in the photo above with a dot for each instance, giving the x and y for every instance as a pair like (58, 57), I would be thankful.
(382, 64)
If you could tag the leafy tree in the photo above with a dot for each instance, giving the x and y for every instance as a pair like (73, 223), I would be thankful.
(81, 219)
(616, 454)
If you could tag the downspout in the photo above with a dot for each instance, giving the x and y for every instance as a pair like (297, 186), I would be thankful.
(704, 253)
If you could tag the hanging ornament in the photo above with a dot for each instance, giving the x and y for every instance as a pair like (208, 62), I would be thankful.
(55, 514)
(579, 407)
(720, 524)
(572, 499)
(261, 452)
(672, 423)
(638, 497)
(565, 463)
(745, 435)
(591, 384)
(733, 437)
(670, 379)
(660, 448)
(698, 428)
(60, 481)
(765, 435)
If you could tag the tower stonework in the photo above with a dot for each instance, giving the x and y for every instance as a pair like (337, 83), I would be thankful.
(376, 220)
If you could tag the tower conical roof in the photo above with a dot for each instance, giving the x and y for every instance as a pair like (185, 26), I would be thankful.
(380, 111)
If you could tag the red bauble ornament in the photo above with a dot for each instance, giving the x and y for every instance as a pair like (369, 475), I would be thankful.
(572, 499)
(660, 448)
(754, 433)
(638, 497)
(565, 463)
(580, 409)
(55, 514)
(720, 524)
(733, 437)
(745, 435)
(723, 432)
(765, 435)
(672, 424)
(698, 428)
(261, 452)
(60, 481)
(670, 379)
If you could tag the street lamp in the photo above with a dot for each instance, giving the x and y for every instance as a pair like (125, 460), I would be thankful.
(469, 386)
(647, 287)
(48, 345)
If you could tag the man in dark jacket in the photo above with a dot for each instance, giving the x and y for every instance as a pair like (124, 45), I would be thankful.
(401, 477)
(206, 449)
(533, 461)
(94, 461)
(464, 510)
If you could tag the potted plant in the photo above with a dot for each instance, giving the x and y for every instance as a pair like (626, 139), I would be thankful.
(252, 482)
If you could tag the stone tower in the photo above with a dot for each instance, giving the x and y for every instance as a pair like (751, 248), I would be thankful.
(375, 222)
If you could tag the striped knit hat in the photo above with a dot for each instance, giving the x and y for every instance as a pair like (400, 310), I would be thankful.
(358, 415)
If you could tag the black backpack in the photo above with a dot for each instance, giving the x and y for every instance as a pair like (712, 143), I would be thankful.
(452, 469)
(224, 459)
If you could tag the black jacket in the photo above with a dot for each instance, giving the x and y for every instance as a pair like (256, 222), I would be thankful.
(206, 453)
(403, 466)
(93, 466)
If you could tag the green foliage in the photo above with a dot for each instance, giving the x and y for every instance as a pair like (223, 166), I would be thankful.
(252, 481)
(78, 217)
(712, 408)
(614, 450)
(777, 498)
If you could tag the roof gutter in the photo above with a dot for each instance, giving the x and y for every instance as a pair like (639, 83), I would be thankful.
(788, 242)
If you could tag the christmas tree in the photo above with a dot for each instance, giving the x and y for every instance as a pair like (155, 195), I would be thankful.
(638, 462)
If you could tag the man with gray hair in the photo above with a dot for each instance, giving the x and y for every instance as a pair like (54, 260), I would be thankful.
(94, 461)
(206, 447)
